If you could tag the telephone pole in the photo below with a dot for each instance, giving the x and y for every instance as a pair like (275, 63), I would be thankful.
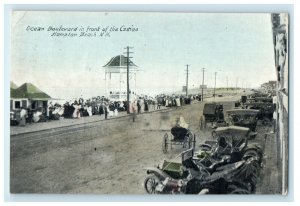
(243, 84)
(236, 84)
(187, 80)
(128, 65)
(202, 83)
(215, 84)
(227, 82)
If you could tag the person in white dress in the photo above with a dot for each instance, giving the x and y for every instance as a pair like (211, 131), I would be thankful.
(23, 114)
(89, 110)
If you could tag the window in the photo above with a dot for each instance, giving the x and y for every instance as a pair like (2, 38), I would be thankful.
(17, 104)
(24, 103)
(34, 105)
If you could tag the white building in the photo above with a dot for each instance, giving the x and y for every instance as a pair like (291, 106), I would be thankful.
(116, 78)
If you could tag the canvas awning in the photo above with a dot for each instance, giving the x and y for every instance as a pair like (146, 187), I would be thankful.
(13, 85)
(29, 91)
(242, 111)
(232, 130)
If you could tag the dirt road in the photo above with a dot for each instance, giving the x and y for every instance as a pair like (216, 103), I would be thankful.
(108, 157)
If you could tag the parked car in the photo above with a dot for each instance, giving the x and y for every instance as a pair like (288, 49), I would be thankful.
(225, 166)
(243, 118)
(212, 113)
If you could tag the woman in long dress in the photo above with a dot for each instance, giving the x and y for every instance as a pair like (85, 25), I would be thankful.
(23, 114)
(89, 110)
(146, 109)
(76, 113)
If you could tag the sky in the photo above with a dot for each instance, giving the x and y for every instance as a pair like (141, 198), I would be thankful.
(237, 46)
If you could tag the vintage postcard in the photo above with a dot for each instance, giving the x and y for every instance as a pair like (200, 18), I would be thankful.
(148, 103)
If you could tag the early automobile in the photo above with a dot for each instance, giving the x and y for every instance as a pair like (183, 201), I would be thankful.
(231, 140)
(239, 103)
(266, 110)
(243, 118)
(242, 103)
(212, 113)
(263, 99)
(225, 166)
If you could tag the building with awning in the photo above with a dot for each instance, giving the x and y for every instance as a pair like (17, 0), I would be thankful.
(28, 96)
(116, 78)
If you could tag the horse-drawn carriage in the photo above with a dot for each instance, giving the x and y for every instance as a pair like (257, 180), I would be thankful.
(180, 135)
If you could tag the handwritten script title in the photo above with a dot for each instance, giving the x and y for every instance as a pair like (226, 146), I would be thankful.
(83, 31)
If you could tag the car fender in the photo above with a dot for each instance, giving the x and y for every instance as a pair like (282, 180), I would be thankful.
(157, 172)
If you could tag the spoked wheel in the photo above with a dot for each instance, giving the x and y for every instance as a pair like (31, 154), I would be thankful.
(240, 191)
(252, 153)
(194, 140)
(201, 123)
(191, 140)
(238, 187)
(165, 143)
(150, 183)
(266, 121)
(214, 134)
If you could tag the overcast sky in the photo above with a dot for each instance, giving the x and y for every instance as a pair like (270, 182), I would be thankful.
(237, 46)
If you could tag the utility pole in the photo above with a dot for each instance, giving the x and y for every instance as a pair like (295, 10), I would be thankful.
(202, 83)
(128, 64)
(236, 83)
(242, 84)
(187, 80)
(215, 84)
(227, 82)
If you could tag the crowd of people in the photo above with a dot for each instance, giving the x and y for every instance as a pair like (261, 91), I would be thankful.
(78, 108)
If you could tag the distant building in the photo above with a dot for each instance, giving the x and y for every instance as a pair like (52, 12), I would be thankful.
(116, 78)
(28, 96)
(269, 87)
